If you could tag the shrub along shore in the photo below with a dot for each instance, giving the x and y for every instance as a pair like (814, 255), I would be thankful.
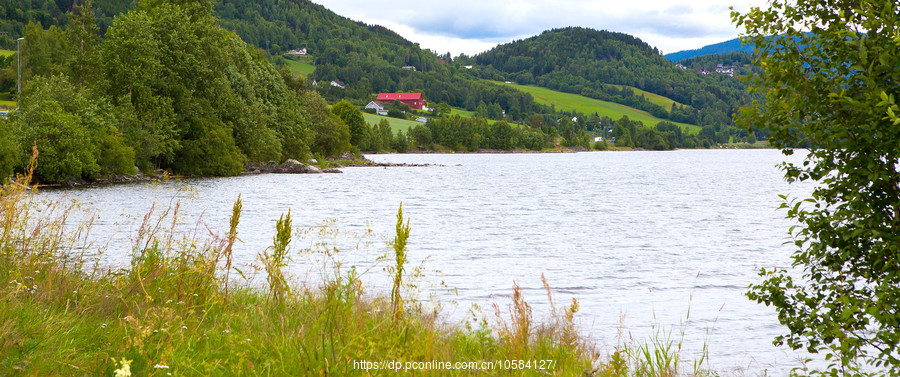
(181, 308)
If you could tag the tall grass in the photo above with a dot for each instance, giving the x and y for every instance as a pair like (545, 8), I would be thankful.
(175, 309)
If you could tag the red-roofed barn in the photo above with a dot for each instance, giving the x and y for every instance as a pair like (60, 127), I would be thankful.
(414, 100)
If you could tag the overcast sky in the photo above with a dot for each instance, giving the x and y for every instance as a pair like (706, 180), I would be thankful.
(472, 26)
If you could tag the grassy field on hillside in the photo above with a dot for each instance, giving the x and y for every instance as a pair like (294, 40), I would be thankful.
(6, 101)
(568, 102)
(461, 112)
(396, 124)
(301, 68)
(655, 99)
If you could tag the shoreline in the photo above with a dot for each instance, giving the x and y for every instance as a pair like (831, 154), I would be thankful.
(292, 166)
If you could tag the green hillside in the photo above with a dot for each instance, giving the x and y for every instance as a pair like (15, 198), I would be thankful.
(603, 64)
(396, 124)
(301, 68)
(656, 99)
(582, 104)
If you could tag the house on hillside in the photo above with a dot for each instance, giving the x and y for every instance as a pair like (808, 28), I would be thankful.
(413, 100)
(725, 70)
(297, 52)
(378, 107)
(422, 119)
(409, 68)
(338, 84)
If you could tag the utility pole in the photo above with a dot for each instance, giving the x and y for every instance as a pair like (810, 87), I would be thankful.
(18, 72)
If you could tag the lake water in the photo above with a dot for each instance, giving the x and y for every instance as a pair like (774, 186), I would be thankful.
(646, 241)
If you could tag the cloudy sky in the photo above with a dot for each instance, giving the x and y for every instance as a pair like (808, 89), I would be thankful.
(472, 26)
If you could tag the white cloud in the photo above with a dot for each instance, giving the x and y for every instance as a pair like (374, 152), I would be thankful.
(471, 26)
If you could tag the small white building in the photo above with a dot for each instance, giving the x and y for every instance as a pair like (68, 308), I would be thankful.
(598, 139)
(409, 68)
(422, 119)
(378, 107)
(338, 84)
(297, 52)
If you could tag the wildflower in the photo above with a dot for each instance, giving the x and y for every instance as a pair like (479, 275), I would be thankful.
(160, 366)
(103, 326)
(124, 369)
(184, 327)
(226, 331)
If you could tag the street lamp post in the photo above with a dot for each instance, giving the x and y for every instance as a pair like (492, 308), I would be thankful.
(18, 72)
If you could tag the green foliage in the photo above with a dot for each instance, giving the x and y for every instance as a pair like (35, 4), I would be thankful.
(399, 245)
(381, 136)
(352, 117)
(830, 82)
(332, 136)
(275, 259)
(196, 100)
(400, 144)
(10, 153)
(210, 151)
(75, 132)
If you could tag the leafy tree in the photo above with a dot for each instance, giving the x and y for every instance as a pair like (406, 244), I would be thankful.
(73, 134)
(420, 135)
(400, 144)
(443, 109)
(382, 136)
(82, 38)
(10, 151)
(830, 80)
(332, 136)
(352, 117)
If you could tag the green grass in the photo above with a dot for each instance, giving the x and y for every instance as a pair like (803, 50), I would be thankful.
(656, 99)
(396, 124)
(301, 68)
(569, 102)
(6, 101)
(461, 112)
(471, 114)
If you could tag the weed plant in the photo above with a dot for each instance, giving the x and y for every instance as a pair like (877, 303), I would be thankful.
(177, 310)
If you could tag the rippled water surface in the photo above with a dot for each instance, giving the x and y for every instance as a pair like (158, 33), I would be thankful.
(641, 239)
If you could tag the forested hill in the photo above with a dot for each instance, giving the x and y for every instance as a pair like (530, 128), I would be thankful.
(729, 46)
(369, 58)
(586, 61)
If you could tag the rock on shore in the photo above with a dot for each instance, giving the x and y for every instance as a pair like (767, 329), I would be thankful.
(290, 166)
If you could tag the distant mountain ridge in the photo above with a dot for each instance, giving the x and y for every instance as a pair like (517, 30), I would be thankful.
(733, 45)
